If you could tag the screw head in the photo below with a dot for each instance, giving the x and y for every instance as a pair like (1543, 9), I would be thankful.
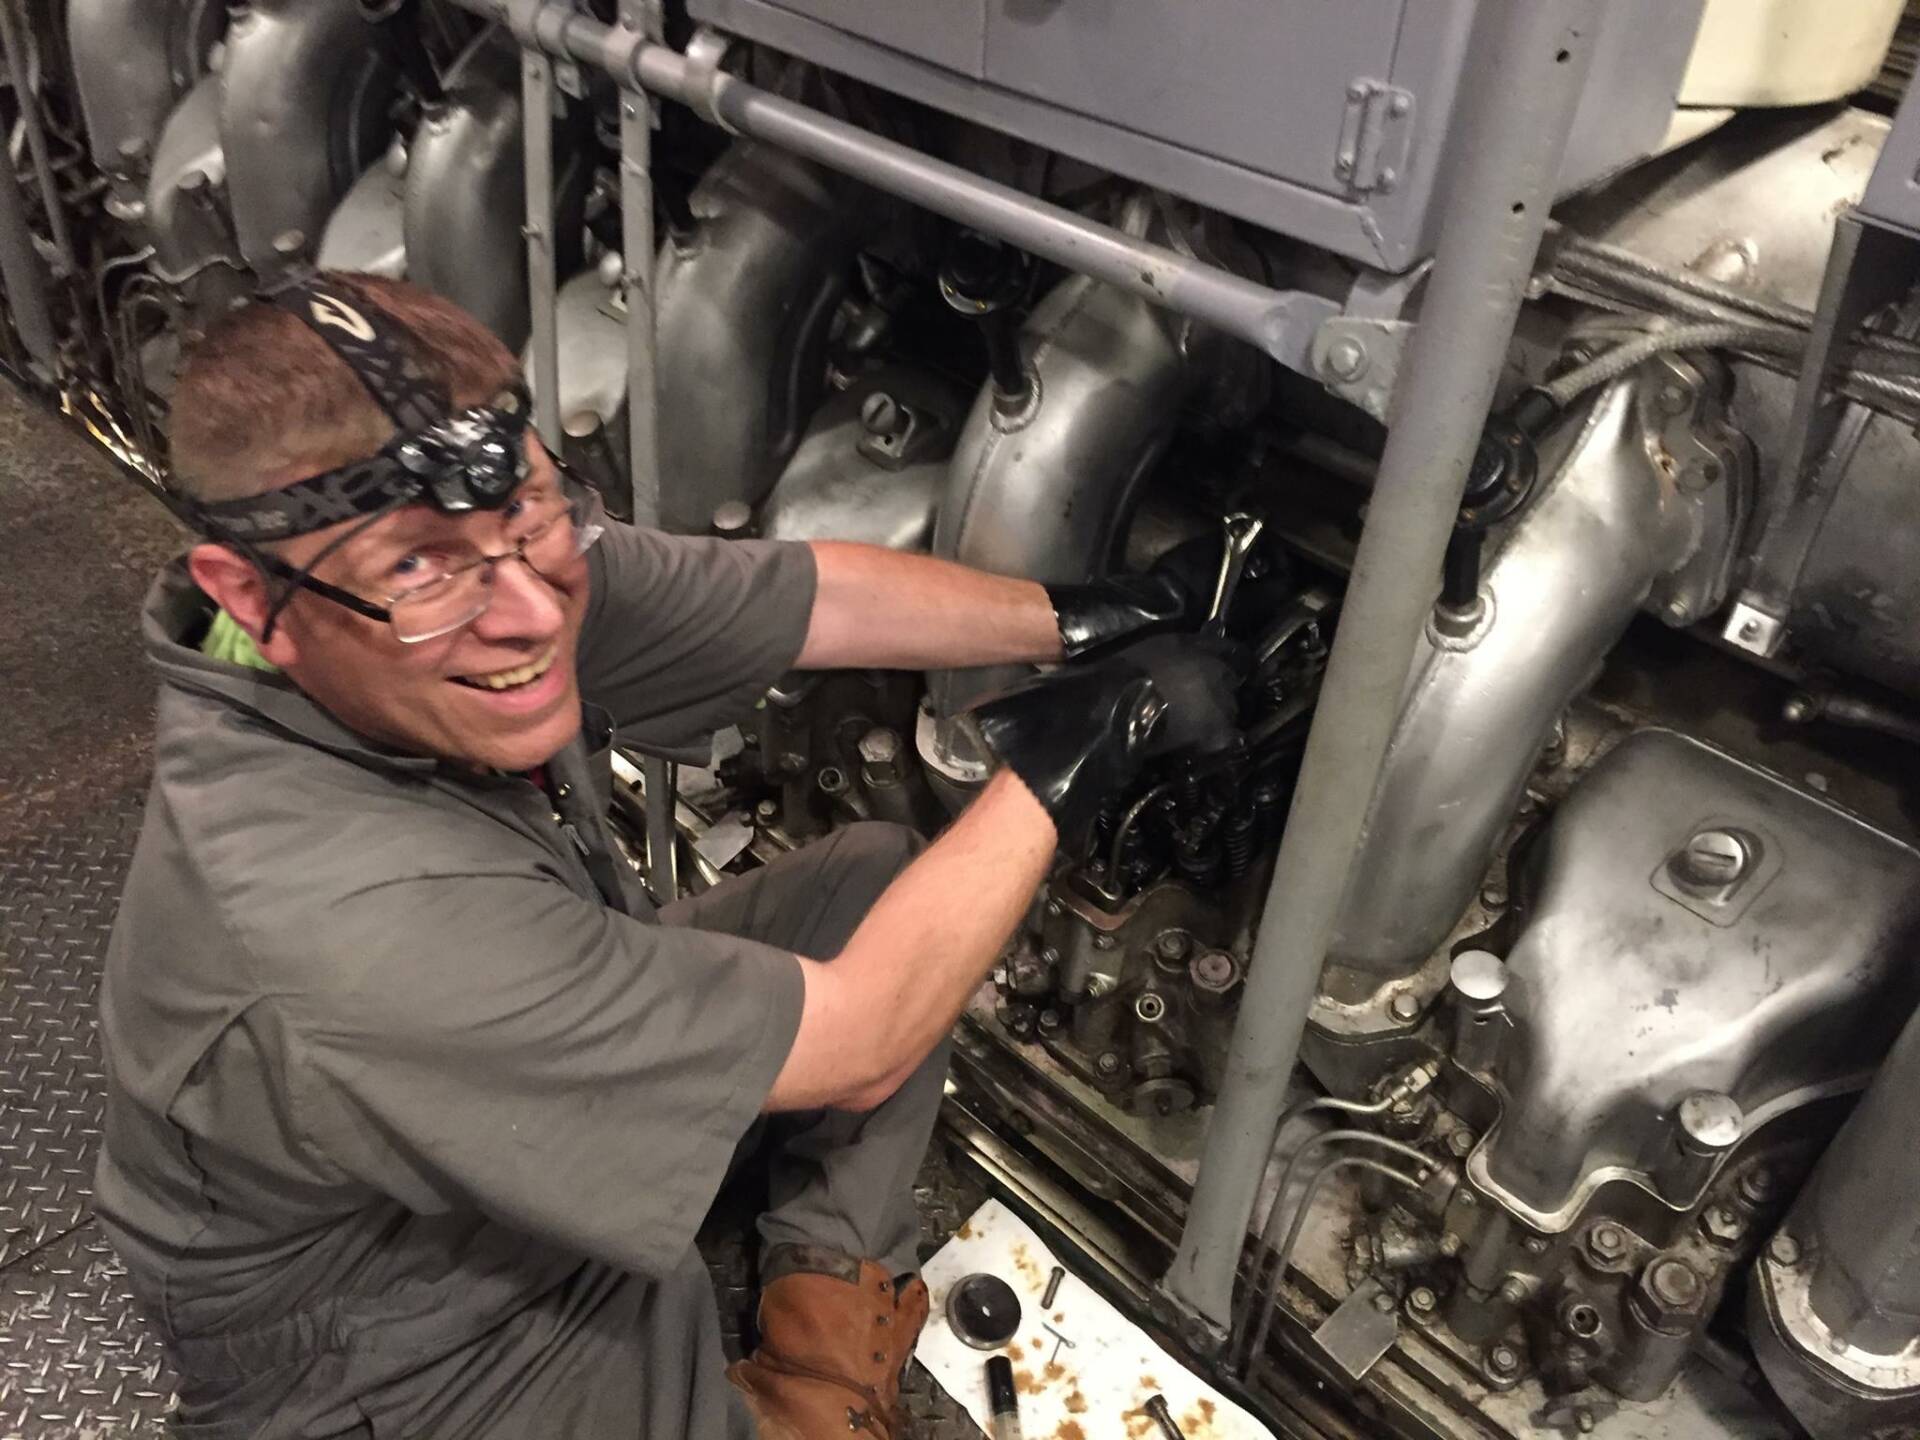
(1607, 1242)
(1103, 942)
(1460, 1143)
(1422, 1301)
(1783, 1249)
(1171, 945)
(1673, 1282)
(1405, 1006)
(1108, 1063)
(1750, 630)
(1383, 1302)
(1493, 896)
(1712, 859)
(1723, 1225)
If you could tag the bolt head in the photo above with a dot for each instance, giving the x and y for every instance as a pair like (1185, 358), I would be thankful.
(1460, 1144)
(1213, 970)
(1757, 1186)
(1405, 1006)
(1750, 630)
(1712, 859)
(1723, 1225)
(1103, 942)
(1674, 1283)
(1422, 1300)
(1493, 896)
(1108, 1063)
(1783, 1249)
(1171, 944)
(1607, 1242)
(1383, 1302)
(1347, 358)
(1503, 1361)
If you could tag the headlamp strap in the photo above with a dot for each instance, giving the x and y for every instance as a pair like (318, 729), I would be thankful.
(369, 341)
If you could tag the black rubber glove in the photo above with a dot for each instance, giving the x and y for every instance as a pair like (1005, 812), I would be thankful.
(1121, 607)
(1075, 737)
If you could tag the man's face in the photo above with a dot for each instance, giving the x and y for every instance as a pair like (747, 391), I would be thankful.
(499, 692)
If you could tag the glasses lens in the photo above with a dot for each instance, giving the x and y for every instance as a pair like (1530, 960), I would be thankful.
(441, 607)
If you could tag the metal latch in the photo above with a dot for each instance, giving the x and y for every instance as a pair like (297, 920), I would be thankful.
(1376, 137)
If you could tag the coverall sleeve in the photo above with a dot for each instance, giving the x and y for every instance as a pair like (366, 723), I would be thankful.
(683, 634)
(498, 1043)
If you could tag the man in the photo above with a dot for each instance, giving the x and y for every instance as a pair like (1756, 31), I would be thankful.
(415, 1103)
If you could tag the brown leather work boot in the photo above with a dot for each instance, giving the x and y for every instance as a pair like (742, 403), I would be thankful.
(832, 1349)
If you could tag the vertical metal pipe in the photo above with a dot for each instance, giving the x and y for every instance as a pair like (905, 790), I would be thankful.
(24, 274)
(643, 411)
(636, 228)
(36, 136)
(1532, 57)
(536, 119)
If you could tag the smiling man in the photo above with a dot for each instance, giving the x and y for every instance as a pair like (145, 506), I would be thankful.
(416, 1103)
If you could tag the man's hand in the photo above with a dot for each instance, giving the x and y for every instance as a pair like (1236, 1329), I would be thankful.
(1077, 736)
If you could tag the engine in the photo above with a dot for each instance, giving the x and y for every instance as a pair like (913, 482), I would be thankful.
(1597, 1122)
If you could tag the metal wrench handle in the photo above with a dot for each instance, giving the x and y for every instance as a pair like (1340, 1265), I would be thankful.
(1241, 531)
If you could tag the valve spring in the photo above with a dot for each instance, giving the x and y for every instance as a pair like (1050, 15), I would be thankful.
(1237, 837)
(1268, 808)
(1197, 857)
(1188, 796)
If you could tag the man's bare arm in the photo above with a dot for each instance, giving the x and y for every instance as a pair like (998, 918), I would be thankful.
(874, 1012)
(884, 609)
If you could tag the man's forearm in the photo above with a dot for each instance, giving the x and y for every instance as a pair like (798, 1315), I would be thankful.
(874, 1012)
(885, 609)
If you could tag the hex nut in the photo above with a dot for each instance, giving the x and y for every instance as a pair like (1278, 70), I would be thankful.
(1723, 1225)
(1606, 1242)
(1460, 1143)
(1503, 1361)
(1422, 1301)
(1758, 1185)
(1671, 1287)
(1783, 1249)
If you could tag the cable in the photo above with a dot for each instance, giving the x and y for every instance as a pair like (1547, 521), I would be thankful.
(1707, 335)
(1320, 1177)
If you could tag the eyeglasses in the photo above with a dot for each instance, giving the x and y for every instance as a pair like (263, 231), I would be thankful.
(435, 588)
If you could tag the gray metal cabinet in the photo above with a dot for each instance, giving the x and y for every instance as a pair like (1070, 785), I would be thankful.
(1322, 119)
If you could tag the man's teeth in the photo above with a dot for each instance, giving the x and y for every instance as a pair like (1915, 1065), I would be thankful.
(507, 679)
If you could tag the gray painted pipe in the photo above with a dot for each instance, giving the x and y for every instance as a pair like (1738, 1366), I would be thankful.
(11, 41)
(1562, 587)
(536, 110)
(636, 225)
(24, 273)
(1043, 494)
(1505, 156)
(1834, 1312)
(1280, 322)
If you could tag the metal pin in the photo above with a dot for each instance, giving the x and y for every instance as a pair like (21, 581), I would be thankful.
(1053, 1286)
(1163, 1417)
(1058, 1341)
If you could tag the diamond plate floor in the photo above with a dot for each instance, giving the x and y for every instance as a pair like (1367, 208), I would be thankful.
(78, 544)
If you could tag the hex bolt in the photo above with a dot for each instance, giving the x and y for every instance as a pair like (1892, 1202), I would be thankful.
(1783, 1249)
(1171, 945)
(1422, 1301)
(1757, 1185)
(1503, 1361)
(1213, 970)
(1535, 1245)
(1405, 1006)
(1674, 1283)
(1108, 1064)
(1347, 358)
(1493, 896)
(1460, 1143)
(1383, 1302)
(1723, 1225)
(1606, 1242)
(1513, 1289)
(1103, 941)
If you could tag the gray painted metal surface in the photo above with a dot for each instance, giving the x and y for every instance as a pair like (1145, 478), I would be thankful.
(1280, 322)
(1330, 122)
(1512, 136)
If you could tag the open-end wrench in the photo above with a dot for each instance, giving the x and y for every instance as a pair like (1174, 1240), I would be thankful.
(1241, 531)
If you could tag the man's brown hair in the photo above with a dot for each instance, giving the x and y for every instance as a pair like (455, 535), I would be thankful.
(262, 401)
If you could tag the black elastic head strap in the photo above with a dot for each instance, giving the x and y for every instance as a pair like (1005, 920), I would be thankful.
(370, 343)
(454, 462)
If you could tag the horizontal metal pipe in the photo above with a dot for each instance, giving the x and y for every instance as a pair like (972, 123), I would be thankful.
(1279, 322)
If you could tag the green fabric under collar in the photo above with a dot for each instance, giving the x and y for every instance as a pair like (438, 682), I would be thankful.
(225, 640)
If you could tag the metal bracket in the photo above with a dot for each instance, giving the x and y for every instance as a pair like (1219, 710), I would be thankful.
(1376, 137)
(1870, 266)
(1359, 359)
(1362, 1329)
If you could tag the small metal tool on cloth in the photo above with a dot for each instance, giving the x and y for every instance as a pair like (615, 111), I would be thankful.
(1163, 1417)
(1003, 1398)
(983, 1311)
(1053, 1286)
(1242, 530)
(1058, 1341)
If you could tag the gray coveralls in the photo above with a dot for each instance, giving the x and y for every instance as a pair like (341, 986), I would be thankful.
(415, 1106)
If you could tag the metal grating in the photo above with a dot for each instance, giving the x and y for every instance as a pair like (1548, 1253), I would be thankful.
(77, 1362)
(58, 891)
